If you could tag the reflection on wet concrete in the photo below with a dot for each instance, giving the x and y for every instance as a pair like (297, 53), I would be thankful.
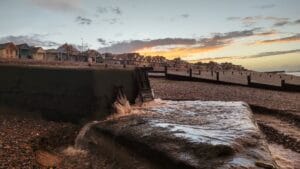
(195, 134)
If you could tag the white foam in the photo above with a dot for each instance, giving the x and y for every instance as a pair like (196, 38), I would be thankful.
(72, 151)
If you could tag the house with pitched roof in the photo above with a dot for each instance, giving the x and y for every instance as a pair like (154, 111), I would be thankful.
(51, 55)
(24, 51)
(95, 55)
(8, 51)
(67, 52)
(110, 59)
(37, 53)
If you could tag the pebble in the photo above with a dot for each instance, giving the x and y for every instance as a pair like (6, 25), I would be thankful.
(19, 136)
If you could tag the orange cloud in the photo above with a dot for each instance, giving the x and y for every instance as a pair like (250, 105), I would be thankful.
(216, 59)
(204, 45)
(281, 40)
(177, 52)
(150, 46)
(258, 55)
(269, 33)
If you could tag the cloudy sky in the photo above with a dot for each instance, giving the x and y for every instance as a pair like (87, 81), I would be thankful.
(261, 35)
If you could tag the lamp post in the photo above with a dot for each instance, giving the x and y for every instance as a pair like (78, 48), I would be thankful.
(82, 47)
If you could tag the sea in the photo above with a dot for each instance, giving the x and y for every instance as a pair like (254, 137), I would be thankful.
(293, 73)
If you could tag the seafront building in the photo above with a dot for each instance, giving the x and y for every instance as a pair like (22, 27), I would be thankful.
(68, 52)
(8, 51)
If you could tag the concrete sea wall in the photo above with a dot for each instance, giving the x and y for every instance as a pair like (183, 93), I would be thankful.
(64, 94)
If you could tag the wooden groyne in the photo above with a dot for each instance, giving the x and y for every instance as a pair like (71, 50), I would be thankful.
(242, 78)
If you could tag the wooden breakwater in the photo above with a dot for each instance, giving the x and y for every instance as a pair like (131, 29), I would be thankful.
(243, 78)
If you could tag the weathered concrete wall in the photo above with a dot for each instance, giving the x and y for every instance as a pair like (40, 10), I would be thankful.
(66, 94)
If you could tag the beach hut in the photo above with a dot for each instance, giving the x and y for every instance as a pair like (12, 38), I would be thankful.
(51, 55)
(24, 51)
(38, 53)
(8, 51)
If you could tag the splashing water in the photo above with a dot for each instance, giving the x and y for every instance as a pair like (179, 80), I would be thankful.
(80, 139)
(72, 151)
(121, 105)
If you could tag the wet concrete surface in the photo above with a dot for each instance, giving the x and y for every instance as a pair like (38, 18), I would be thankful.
(283, 106)
(187, 134)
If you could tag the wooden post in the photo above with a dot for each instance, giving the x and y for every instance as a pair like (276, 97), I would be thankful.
(124, 66)
(199, 72)
(105, 65)
(249, 79)
(191, 73)
(217, 76)
(166, 69)
(282, 83)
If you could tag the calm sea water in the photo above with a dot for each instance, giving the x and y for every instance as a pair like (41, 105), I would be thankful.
(293, 73)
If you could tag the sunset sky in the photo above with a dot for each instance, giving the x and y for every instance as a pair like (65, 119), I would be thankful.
(263, 35)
